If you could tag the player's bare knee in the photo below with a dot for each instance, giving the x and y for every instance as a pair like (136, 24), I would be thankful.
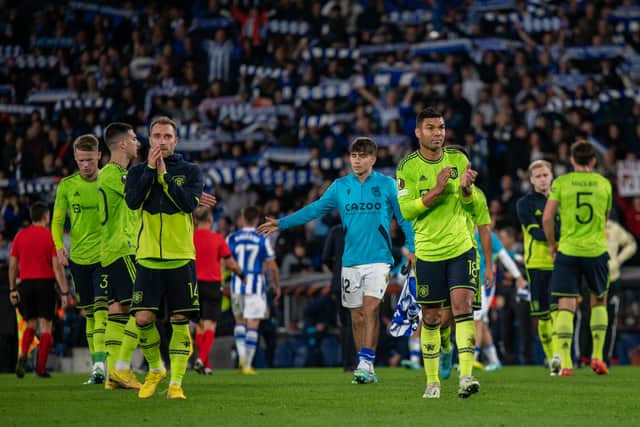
(371, 307)
(177, 317)
(143, 318)
(431, 316)
(598, 300)
(45, 325)
(253, 323)
(445, 317)
(209, 325)
(461, 307)
(568, 303)
(357, 314)
(117, 308)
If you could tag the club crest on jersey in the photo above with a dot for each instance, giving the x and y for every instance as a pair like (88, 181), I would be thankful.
(124, 179)
(376, 191)
(179, 180)
(400, 183)
(454, 173)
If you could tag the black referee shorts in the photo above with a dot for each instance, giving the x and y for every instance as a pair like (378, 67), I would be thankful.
(38, 298)
(210, 295)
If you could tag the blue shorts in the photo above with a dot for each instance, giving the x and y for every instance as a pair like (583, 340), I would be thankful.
(436, 279)
(569, 270)
(177, 287)
(87, 284)
(120, 276)
(542, 302)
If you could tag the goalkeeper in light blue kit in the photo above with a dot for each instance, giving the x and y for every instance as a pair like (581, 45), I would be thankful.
(366, 201)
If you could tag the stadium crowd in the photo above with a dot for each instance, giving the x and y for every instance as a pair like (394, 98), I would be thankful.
(268, 95)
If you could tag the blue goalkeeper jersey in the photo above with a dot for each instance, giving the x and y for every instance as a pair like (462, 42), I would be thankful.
(366, 210)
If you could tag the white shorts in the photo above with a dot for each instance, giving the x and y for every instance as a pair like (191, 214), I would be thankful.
(252, 306)
(360, 280)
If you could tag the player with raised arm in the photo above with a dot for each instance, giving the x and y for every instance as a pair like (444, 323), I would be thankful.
(434, 183)
(253, 253)
(584, 199)
(77, 195)
(118, 247)
(537, 257)
(477, 218)
(366, 201)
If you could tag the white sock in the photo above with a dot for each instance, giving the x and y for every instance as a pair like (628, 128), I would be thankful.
(414, 350)
(491, 353)
(251, 344)
(240, 333)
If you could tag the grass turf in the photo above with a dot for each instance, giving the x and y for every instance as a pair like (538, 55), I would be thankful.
(324, 397)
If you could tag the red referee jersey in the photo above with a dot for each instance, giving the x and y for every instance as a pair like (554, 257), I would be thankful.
(210, 249)
(33, 247)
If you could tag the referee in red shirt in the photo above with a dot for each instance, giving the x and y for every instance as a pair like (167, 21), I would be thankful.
(34, 255)
(211, 249)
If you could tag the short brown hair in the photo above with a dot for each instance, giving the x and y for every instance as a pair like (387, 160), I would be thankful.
(583, 152)
(537, 164)
(164, 120)
(250, 214)
(363, 144)
(87, 142)
(37, 211)
(202, 214)
(115, 132)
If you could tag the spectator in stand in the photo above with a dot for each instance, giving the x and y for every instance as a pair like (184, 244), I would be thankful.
(296, 262)
(13, 214)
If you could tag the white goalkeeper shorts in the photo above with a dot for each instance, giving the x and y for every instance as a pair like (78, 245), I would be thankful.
(251, 306)
(360, 280)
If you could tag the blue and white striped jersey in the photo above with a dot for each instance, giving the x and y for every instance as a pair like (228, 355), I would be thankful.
(250, 251)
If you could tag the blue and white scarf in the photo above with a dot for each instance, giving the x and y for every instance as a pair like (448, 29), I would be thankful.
(406, 317)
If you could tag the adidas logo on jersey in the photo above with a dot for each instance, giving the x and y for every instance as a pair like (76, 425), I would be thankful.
(422, 178)
(76, 194)
(538, 212)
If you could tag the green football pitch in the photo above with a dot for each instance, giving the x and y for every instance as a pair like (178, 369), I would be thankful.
(325, 397)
